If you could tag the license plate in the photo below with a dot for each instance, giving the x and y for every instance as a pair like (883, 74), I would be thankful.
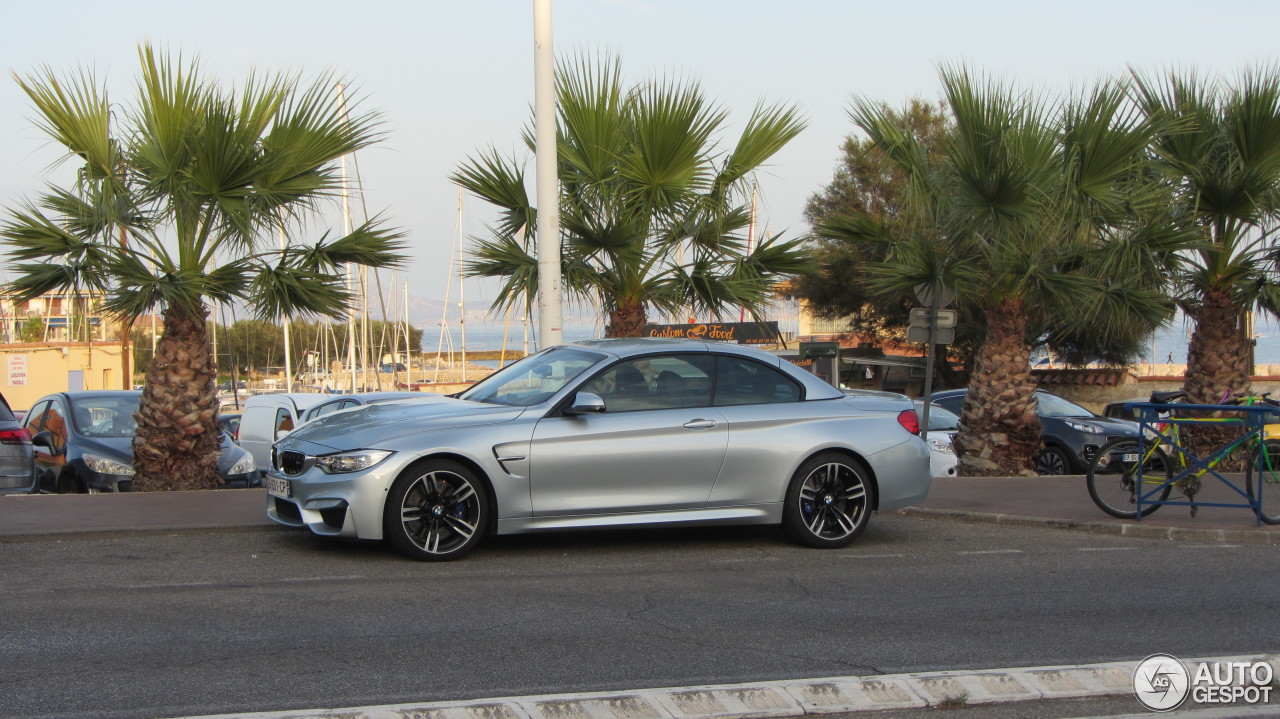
(1123, 458)
(279, 487)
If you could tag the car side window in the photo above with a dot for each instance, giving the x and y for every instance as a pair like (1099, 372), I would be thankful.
(35, 418)
(327, 408)
(55, 421)
(657, 382)
(742, 381)
(283, 423)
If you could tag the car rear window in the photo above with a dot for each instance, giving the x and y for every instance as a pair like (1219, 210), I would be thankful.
(6, 414)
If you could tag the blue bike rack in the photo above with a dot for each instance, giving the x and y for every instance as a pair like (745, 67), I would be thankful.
(1253, 418)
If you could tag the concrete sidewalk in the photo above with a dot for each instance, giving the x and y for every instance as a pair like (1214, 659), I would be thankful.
(1045, 501)
(1064, 502)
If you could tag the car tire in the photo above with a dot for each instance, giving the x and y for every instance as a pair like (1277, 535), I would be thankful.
(829, 501)
(68, 484)
(1052, 461)
(437, 511)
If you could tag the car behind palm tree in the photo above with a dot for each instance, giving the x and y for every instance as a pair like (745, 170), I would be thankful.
(1071, 434)
(84, 443)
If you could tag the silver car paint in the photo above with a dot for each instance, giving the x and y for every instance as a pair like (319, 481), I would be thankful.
(638, 468)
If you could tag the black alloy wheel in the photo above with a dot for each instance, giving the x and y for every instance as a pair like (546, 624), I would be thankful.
(829, 501)
(437, 511)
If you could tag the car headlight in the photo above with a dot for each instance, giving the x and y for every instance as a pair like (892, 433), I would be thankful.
(107, 465)
(344, 462)
(244, 465)
(1085, 427)
(941, 445)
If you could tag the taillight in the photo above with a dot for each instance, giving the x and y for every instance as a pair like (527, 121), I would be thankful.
(15, 436)
(909, 421)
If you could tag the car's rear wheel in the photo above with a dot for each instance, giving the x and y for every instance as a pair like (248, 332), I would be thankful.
(829, 501)
(437, 511)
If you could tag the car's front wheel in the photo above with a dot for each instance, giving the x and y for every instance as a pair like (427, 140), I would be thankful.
(437, 511)
(1052, 461)
(829, 501)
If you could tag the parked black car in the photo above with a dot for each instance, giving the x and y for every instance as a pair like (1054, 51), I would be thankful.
(1071, 433)
(84, 443)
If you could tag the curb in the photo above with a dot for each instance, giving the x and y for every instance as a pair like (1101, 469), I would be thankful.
(766, 700)
(69, 534)
(1141, 531)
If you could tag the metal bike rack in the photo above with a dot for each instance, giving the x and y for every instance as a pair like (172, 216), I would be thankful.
(1253, 418)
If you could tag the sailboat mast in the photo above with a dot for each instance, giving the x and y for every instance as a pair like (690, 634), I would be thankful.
(351, 270)
(408, 348)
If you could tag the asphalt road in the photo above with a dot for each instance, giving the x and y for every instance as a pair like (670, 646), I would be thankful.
(235, 622)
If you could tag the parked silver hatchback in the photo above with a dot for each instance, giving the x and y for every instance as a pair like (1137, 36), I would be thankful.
(605, 433)
(16, 453)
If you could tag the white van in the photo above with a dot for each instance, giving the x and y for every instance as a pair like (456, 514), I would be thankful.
(268, 417)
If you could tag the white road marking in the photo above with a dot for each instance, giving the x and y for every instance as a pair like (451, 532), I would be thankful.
(993, 551)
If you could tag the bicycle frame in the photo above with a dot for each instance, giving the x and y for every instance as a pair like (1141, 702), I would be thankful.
(1166, 432)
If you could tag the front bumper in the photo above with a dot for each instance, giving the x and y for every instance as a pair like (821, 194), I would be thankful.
(348, 506)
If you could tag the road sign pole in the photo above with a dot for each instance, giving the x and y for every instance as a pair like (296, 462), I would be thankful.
(928, 362)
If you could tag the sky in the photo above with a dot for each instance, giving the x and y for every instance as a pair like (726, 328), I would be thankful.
(453, 78)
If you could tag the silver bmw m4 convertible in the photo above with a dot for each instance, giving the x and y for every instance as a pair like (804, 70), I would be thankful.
(605, 433)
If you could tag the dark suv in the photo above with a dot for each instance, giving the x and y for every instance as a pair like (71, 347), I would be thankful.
(1071, 433)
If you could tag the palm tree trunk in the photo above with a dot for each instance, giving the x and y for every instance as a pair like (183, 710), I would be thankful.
(176, 447)
(1000, 430)
(627, 320)
(1217, 366)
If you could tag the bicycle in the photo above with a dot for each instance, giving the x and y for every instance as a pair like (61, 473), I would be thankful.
(1145, 470)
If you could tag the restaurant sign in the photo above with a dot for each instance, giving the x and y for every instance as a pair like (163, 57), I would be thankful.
(744, 333)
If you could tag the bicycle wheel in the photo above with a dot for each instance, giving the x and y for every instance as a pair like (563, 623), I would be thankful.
(1262, 480)
(1116, 476)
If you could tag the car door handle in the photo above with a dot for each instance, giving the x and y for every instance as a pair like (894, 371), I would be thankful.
(700, 424)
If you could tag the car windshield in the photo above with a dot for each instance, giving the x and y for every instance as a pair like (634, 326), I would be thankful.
(104, 416)
(533, 379)
(1051, 405)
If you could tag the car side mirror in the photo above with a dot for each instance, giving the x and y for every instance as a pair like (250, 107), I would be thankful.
(46, 439)
(585, 403)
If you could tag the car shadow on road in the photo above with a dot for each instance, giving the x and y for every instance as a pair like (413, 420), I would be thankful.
(587, 543)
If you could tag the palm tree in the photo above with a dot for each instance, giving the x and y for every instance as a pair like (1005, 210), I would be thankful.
(641, 184)
(1221, 149)
(1045, 223)
(175, 206)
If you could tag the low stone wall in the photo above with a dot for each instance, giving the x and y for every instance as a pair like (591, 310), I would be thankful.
(1141, 380)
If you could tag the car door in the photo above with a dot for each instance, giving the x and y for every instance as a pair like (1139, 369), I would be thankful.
(658, 445)
(34, 422)
(52, 419)
(768, 422)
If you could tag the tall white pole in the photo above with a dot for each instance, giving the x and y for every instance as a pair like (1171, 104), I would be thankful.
(462, 289)
(550, 317)
(288, 358)
(351, 269)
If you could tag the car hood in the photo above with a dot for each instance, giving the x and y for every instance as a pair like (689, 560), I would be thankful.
(1109, 425)
(117, 448)
(371, 424)
(121, 450)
